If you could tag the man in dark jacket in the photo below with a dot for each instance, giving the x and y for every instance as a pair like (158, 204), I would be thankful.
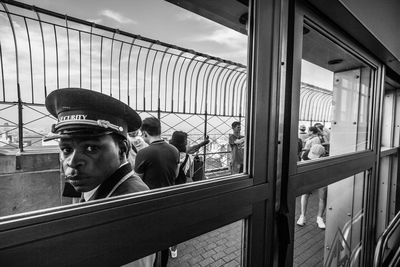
(92, 129)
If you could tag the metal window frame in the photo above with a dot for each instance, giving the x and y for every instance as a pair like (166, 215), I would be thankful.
(307, 177)
(56, 233)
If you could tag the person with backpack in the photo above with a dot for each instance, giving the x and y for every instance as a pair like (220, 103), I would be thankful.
(313, 139)
(185, 172)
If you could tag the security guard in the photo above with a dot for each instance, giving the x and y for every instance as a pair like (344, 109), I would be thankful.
(92, 129)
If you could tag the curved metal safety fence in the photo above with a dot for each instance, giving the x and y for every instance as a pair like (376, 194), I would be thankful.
(41, 51)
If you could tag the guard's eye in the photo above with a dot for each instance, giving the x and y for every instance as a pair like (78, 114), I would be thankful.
(66, 150)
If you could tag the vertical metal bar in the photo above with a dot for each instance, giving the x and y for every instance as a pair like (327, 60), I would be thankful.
(239, 92)
(129, 62)
(234, 91)
(119, 71)
(166, 82)
(20, 120)
(184, 88)
(217, 89)
(80, 60)
(151, 83)
(56, 42)
(101, 64)
(111, 61)
(2, 74)
(137, 77)
(222, 101)
(179, 81)
(204, 87)
(207, 86)
(144, 76)
(303, 104)
(308, 106)
(173, 80)
(90, 55)
(190, 86)
(69, 56)
(44, 52)
(30, 59)
(204, 137)
(232, 71)
(159, 81)
(244, 87)
(219, 70)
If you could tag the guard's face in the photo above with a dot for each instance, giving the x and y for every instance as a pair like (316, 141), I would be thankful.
(89, 162)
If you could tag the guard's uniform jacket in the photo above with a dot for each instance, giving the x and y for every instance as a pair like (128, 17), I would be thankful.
(121, 182)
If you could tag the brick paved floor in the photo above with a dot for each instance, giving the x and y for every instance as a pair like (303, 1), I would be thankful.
(221, 247)
(308, 239)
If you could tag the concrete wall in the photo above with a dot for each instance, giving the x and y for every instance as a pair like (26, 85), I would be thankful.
(29, 182)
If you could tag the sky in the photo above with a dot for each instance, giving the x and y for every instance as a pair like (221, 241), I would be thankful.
(153, 19)
(157, 20)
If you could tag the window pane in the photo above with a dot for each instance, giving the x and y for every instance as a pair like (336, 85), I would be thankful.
(335, 96)
(164, 61)
(221, 247)
(329, 228)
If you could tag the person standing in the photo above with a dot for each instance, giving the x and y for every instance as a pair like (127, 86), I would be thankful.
(157, 164)
(236, 142)
(316, 151)
(92, 131)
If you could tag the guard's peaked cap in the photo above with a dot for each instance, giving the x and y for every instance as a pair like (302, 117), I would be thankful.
(82, 112)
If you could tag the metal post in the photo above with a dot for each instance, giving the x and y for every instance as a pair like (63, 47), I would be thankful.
(20, 121)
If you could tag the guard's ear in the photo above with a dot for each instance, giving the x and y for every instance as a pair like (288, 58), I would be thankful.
(124, 147)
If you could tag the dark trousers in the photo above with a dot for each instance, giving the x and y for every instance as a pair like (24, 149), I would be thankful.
(162, 258)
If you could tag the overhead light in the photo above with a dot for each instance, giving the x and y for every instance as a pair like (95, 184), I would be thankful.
(335, 61)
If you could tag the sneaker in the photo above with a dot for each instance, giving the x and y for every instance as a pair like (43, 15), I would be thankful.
(301, 221)
(320, 222)
(174, 252)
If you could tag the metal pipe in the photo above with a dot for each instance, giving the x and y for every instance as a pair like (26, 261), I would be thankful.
(111, 61)
(119, 71)
(30, 58)
(129, 61)
(44, 51)
(144, 76)
(69, 56)
(20, 120)
(2, 74)
(57, 66)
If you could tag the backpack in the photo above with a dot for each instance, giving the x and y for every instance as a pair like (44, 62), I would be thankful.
(304, 156)
(181, 178)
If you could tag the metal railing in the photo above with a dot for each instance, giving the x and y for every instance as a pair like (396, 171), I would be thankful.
(42, 51)
(315, 103)
(387, 251)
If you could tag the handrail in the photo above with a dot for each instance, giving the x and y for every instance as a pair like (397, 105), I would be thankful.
(380, 259)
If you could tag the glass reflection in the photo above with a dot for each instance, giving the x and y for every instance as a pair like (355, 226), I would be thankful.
(328, 227)
(335, 96)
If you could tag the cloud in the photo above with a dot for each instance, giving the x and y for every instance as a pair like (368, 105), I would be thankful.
(117, 17)
(226, 37)
(96, 21)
